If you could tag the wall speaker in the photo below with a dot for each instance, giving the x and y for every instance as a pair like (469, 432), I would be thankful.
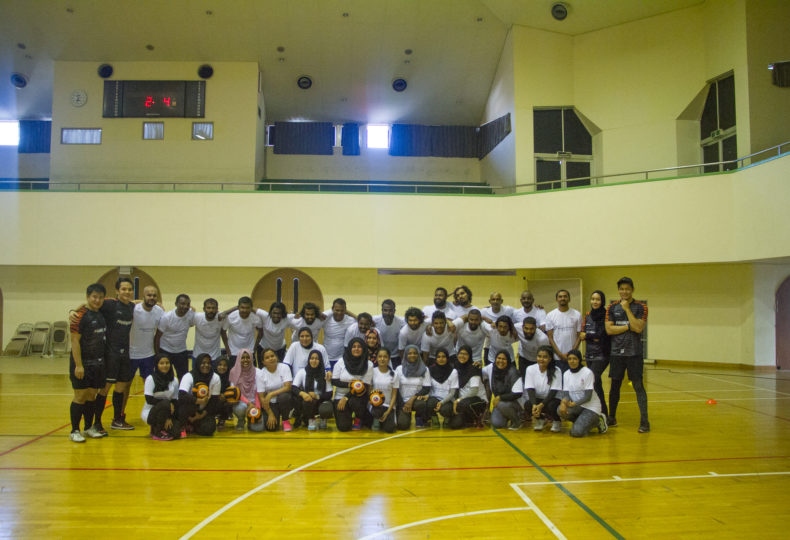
(18, 80)
(399, 85)
(304, 82)
(781, 74)
(559, 11)
(205, 71)
(105, 71)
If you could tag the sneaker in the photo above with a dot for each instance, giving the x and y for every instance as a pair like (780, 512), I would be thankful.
(221, 424)
(101, 431)
(240, 425)
(611, 421)
(297, 422)
(287, 425)
(540, 423)
(322, 423)
(376, 424)
(556, 426)
(418, 422)
(162, 436)
(644, 428)
(515, 427)
(183, 434)
(311, 424)
(121, 424)
(602, 426)
(76, 436)
(94, 433)
(357, 425)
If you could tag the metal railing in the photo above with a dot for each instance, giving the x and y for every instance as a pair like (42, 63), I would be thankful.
(324, 186)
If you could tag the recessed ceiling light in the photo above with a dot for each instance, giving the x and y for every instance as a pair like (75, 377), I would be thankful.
(280, 49)
(281, 59)
(304, 82)
(479, 19)
(21, 46)
(209, 12)
(69, 10)
(345, 14)
(149, 47)
(407, 61)
(408, 51)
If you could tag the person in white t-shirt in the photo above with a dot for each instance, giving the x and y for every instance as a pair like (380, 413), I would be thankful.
(413, 331)
(444, 388)
(495, 309)
(171, 334)
(274, 323)
(439, 337)
(439, 303)
(207, 332)
(580, 404)
(470, 405)
(385, 381)
(414, 384)
(309, 316)
(529, 309)
(354, 366)
(336, 322)
(360, 329)
(389, 325)
(530, 339)
(471, 330)
(244, 376)
(506, 388)
(312, 392)
(563, 328)
(274, 392)
(196, 414)
(543, 384)
(298, 352)
(240, 328)
(161, 397)
(145, 321)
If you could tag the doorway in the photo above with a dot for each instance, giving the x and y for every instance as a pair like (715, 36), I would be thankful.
(782, 306)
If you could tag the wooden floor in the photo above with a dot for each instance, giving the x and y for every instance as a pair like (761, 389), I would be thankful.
(706, 470)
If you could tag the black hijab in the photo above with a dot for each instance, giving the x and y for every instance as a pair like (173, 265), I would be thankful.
(224, 378)
(356, 365)
(466, 370)
(197, 376)
(441, 373)
(599, 314)
(162, 380)
(502, 380)
(315, 377)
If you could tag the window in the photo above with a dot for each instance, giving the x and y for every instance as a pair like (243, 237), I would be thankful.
(9, 133)
(153, 131)
(270, 135)
(563, 149)
(202, 131)
(378, 136)
(717, 125)
(80, 136)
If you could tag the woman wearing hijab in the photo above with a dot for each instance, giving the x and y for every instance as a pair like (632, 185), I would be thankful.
(385, 381)
(598, 345)
(161, 398)
(273, 384)
(506, 389)
(298, 352)
(543, 384)
(414, 385)
(470, 404)
(196, 414)
(313, 396)
(373, 342)
(444, 387)
(354, 365)
(579, 404)
(224, 408)
(243, 376)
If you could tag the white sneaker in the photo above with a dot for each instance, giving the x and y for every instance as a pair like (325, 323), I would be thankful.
(311, 424)
(76, 436)
(93, 433)
(556, 426)
(540, 423)
(322, 423)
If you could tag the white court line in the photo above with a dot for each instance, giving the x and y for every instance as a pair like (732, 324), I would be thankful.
(740, 384)
(696, 391)
(441, 518)
(196, 529)
(553, 528)
(649, 478)
(702, 400)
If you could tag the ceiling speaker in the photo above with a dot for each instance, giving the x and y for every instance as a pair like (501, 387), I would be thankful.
(559, 11)
(105, 71)
(205, 71)
(399, 85)
(304, 82)
(18, 80)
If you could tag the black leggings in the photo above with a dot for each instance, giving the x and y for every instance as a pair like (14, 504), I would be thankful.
(159, 414)
(389, 424)
(549, 408)
(418, 408)
(469, 410)
(356, 405)
(317, 407)
(281, 408)
(598, 366)
(187, 406)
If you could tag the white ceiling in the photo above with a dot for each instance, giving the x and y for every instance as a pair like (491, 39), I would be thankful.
(351, 58)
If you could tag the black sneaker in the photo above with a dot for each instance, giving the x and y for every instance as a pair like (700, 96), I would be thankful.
(611, 421)
(644, 428)
(121, 424)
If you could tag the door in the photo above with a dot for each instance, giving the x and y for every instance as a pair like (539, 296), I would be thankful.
(782, 307)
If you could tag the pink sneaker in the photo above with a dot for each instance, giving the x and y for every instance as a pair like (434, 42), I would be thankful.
(162, 436)
(287, 425)
(184, 434)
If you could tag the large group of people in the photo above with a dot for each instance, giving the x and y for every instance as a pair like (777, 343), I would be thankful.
(450, 364)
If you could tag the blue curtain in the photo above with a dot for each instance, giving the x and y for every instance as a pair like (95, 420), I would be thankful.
(492, 133)
(454, 141)
(315, 138)
(34, 136)
(349, 140)
(410, 140)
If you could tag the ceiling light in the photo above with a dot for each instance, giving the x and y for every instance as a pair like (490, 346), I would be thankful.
(69, 10)
(408, 51)
(21, 46)
(399, 84)
(304, 82)
(18, 80)
(345, 14)
(479, 19)
(209, 12)
(280, 49)
(149, 47)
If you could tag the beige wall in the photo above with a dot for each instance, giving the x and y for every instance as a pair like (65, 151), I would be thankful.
(16, 165)
(231, 103)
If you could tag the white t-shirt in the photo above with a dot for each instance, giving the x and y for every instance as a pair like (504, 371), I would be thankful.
(241, 332)
(334, 335)
(207, 336)
(386, 382)
(353, 331)
(473, 338)
(488, 312)
(266, 381)
(297, 324)
(431, 344)
(273, 334)
(389, 333)
(566, 326)
(497, 342)
(340, 372)
(538, 314)
(473, 387)
(174, 330)
(187, 382)
(407, 336)
(538, 380)
(301, 378)
(576, 383)
(408, 386)
(297, 356)
(528, 348)
(148, 389)
(457, 311)
(144, 325)
(447, 310)
(442, 390)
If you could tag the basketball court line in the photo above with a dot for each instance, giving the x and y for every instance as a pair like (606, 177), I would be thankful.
(709, 475)
(702, 399)
(741, 384)
(197, 528)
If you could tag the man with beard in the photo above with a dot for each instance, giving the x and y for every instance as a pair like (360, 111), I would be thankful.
(145, 321)
(240, 329)
(529, 309)
(413, 331)
(563, 326)
(360, 330)
(207, 332)
(389, 325)
(530, 338)
(471, 330)
(309, 316)
(462, 304)
(335, 326)
(274, 323)
(171, 334)
(439, 303)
